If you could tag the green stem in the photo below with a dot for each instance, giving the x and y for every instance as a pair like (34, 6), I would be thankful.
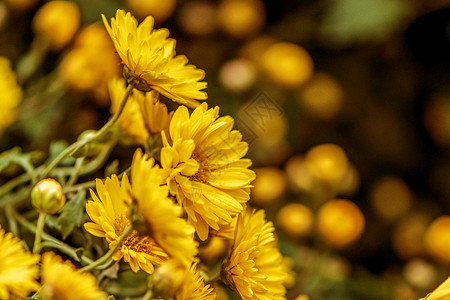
(110, 253)
(76, 172)
(79, 144)
(39, 231)
(64, 248)
(81, 186)
(148, 295)
(7, 187)
(12, 222)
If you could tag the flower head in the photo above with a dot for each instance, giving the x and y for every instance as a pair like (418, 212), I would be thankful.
(61, 280)
(204, 167)
(193, 287)
(109, 212)
(18, 268)
(47, 196)
(255, 266)
(150, 60)
(10, 96)
(162, 216)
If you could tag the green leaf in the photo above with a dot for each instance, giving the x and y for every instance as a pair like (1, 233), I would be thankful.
(72, 214)
(10, 160)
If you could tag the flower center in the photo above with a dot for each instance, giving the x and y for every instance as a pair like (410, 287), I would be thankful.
(135, 80)
(203, 174)
(135, 242)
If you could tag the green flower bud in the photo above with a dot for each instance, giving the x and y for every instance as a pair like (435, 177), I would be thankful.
(89, 150)
(47, 196)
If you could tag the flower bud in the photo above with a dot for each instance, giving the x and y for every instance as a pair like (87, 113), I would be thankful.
(167, 279)
(47, 196)
(89, 150)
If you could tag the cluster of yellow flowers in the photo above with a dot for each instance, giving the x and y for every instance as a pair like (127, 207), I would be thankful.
(194, 188)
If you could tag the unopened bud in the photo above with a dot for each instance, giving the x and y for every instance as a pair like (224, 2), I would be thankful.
(167, 279)
(47, 196)
(90, 149)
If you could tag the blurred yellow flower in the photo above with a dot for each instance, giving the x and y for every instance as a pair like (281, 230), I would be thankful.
(255, 266)
(205, 168)
(57, 22)
(131, 120)
(10, 96)
(109, 213)
(340, 222)
(150, 60)
(61, 281)
(193, 287)
(18, 268)
(91, 63)
(162, 216)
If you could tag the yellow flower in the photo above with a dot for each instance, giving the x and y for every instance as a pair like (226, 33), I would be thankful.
(61, 281)
(150, 61)
(193, 287)
(130, 121)
(18, 268)
(162, 216)
(109, 212)
(255, 266)
(10, 96)
(205, 168)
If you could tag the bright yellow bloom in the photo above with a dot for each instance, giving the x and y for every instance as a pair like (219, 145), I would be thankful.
(162, 216)
(255, 265)
(10, 95)
(150, 61)
(130, 121)
(18, 268)
(194, 288)
(205, 168)
(109, 213)
(60, 280)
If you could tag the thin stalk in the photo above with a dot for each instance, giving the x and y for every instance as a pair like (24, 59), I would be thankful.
(64, 248)
(110, 253)
(76, 172)
(79, 144)
(39, 231)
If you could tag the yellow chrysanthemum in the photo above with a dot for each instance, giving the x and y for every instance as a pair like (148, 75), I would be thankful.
(150, 61)
(130, 120)
(10, 95)
(18, 268)
(60, 280)
(205, 168)
(162, 216)
(109, 212)
(193, 287)
(255, 266)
